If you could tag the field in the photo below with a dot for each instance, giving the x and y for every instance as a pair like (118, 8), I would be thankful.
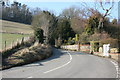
(13, 27)
(10, 38)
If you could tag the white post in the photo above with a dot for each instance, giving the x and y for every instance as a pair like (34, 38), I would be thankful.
(106, 48)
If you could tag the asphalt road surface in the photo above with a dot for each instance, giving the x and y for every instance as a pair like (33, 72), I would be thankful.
(65, 64)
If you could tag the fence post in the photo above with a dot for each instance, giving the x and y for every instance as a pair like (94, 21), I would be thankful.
(12, 43)
(22, 42)
(5, 45)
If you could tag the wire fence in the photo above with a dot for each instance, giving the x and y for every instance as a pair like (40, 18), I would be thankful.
(13, 43)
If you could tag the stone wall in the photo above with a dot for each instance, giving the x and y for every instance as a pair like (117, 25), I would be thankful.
(76, 47)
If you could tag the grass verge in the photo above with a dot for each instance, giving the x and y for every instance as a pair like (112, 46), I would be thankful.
(27, 55)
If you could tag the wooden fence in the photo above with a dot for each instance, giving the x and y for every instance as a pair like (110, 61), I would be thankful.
(13, 43)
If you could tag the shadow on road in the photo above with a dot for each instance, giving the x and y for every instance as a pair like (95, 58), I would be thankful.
(56, 54)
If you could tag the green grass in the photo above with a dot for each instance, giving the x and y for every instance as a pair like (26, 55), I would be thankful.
(9, 38)
(14, 27)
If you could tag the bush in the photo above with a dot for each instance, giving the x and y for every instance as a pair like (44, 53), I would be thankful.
(83, 38)
(71, 41)
(94, 46)
(99, 36)
(113, 42)
(38, 32)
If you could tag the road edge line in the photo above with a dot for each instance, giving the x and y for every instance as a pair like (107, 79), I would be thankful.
(116, 67)
(62, 65)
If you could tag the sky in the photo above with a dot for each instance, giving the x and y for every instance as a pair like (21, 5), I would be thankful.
(56, 6)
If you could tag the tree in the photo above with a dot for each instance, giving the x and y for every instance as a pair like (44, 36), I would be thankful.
(92, 23)
(39, 35)
(46, 21)
(107, 10)
(99, 36)
(64, 29)
(70, 12)
(16, 12)
(77, 17)
(114, 21)
(78, 25)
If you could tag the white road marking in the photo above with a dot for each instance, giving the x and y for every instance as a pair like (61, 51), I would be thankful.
(27, 78)
(117, 68)
(91, 55)
(62, 65)
(30, 77)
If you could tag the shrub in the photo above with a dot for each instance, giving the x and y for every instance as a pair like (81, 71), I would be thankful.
(71, 41)
(39, 34)
(113, 42)
(83, 38)
(99, 36)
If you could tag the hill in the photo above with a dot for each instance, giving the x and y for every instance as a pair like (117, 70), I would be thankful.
(9, 32)
(14, 27)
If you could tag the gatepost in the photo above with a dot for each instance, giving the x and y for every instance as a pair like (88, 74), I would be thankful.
(106, 48)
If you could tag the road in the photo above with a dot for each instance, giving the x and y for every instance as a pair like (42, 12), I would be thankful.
(65, 64)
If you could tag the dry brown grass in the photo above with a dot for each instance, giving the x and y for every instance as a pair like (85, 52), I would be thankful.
(27, 55)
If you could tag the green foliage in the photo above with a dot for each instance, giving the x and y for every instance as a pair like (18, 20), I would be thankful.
(112, 30)
(39, 35)
(76, 37)
(89, 30)
(71, 41)
(114, 21)
(92, 25)
(94, 46)
(63, 29)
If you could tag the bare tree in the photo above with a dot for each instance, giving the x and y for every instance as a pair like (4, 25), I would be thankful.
(100, 4)
(78, 24)
(46, 21)
(77, 17)
(106, 10)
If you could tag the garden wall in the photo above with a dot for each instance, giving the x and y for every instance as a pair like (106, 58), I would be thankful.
(86, 48)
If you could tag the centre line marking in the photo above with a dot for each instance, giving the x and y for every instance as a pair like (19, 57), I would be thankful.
(62, 65)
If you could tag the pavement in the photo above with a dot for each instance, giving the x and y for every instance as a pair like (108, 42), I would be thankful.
(65, 64)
